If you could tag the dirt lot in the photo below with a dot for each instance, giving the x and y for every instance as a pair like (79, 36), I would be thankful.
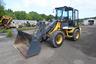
(82, 51)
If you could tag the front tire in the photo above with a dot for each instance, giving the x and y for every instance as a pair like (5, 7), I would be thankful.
(57, 39)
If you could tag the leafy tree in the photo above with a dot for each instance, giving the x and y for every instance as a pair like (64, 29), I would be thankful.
(20, 15)
(10, 13)
(29, 17)
(43, 16)
(34, 16)
(2, 12)
(40, 17)
(49, 18)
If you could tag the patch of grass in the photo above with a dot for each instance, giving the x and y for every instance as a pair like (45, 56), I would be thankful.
(9, 33)
(2, 30)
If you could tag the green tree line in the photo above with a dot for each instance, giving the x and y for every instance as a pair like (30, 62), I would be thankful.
(22, 15)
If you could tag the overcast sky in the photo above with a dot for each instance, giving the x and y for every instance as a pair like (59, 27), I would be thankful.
(86, 7)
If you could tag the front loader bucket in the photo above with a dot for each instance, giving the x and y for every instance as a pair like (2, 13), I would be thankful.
(27, 45)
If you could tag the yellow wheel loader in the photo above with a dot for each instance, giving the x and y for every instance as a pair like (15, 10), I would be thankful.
(5, 21)
(65, 26)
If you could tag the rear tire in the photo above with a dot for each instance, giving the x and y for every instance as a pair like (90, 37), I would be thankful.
(76, 35)
(57, 39)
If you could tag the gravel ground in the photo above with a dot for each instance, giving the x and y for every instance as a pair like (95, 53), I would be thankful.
(79, 52)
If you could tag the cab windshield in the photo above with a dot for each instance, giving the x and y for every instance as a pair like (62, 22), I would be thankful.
(61, 14)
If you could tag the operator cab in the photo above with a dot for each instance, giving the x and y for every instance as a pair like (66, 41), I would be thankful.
(68, 16)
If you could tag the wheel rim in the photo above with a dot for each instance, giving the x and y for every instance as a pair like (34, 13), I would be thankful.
(77, 35)
(59, 39)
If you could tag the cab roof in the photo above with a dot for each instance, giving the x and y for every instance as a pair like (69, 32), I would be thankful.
(67, 8)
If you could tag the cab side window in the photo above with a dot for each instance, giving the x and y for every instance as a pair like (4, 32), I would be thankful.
(70, 15)
(76, 15)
